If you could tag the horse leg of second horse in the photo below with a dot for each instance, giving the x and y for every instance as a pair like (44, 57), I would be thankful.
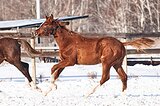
(32, 84)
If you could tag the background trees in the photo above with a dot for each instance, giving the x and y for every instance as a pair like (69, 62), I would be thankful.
(106, 16)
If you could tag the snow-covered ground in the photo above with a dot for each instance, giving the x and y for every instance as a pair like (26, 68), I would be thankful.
(143, 87)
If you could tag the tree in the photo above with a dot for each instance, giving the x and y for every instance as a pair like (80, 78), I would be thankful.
(105, 16)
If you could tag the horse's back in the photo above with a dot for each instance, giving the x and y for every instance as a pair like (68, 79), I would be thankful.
(91, 50)
(8, 43)
(111, 42)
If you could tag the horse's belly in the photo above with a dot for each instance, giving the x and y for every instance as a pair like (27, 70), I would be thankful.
(88, 59)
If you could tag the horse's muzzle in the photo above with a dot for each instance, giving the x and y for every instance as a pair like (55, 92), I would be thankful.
(37, 33)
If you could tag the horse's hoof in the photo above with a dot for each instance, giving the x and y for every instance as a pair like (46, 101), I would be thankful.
(39, 89)
(88, 94)
(46, 92)
(36, 89)
(52, 87)
(123, 93)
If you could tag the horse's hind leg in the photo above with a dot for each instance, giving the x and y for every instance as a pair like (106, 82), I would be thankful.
(122, 75)
(23, 67)
(1, 60)
(1, 57)
(26, 68)
(105, 77)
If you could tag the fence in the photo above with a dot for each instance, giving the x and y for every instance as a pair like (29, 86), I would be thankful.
(52, 52)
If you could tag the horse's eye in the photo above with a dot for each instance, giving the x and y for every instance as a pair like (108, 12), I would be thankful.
(45, 29)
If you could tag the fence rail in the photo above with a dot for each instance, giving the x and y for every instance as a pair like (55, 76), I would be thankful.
(55, 52)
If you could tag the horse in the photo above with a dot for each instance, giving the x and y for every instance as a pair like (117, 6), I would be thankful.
(74, 48)
(10, 51)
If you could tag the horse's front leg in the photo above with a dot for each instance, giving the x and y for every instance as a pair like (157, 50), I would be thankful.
(58, 68)
(55, 72)
(53, 79)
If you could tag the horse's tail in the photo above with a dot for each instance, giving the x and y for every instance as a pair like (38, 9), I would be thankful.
(27, 47)
(140, 44)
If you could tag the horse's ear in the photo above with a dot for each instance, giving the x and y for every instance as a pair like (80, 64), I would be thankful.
(46, 17)
(67, 23)
(64, 23)
(51, 16)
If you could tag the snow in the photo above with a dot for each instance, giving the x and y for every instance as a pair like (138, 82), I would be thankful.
(143, 87)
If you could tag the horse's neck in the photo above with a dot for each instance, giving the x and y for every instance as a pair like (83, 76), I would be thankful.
(65, 38)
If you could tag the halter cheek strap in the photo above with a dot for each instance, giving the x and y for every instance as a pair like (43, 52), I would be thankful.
(54, 30)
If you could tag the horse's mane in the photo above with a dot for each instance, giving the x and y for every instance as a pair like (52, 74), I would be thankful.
(81, 36)
(70, 32)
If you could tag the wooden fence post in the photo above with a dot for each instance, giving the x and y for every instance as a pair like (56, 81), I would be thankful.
(33, 62)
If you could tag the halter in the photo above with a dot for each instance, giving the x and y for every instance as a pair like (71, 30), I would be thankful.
(54, 30)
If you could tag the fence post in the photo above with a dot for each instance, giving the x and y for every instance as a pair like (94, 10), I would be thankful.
(33, 62)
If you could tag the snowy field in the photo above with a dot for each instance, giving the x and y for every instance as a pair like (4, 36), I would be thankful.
(143, 87)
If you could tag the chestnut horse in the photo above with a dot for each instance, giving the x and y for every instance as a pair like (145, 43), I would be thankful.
(10, 51)
(77, 49)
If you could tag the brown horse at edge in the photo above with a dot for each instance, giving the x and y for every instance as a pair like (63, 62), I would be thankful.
(10, 51)
(77, 49)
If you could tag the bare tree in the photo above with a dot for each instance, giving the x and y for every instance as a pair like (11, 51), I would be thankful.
(144, 15)
(105, 16)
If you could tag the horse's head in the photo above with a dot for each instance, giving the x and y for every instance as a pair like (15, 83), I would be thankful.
(50, 26)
